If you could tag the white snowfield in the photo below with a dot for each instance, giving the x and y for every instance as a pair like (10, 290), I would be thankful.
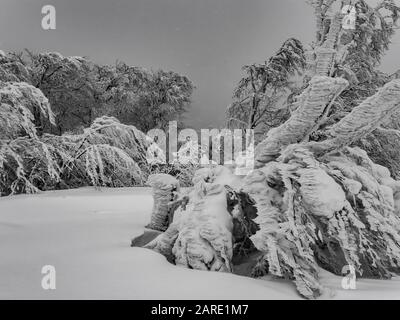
(85, 234)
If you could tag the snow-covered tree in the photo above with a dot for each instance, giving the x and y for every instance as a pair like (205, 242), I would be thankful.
(19, 101)
(65, 81)
(200, 236)
(261, 97)
(146, 99)
(316, 201)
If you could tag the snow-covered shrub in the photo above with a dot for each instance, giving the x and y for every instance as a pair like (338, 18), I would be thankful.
(19, 142)
(19, 102)
(200, 236)
(109, 131)
(27, 165)
(106, 154)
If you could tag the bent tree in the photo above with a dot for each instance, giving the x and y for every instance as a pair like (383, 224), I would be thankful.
(316, 199)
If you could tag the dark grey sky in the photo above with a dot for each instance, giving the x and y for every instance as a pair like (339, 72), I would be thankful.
(207, 40)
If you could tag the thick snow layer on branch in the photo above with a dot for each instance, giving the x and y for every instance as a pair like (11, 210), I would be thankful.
(366, 117)
(312, 104)
(285, 243)
(321, 194)
(326, 53)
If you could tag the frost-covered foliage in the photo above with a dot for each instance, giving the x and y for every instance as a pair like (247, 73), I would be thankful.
(311, 106)
(144, 98)
(26, 165)
(80, 90)
(383, 146)
(67, 82)
(365, 118)
(375, 26)
(328, 212)
(356, 57)
(339, 206)
(372, 37)
(19, 142)
(106, 154)
(74, 142)
(261, 97)
(312, 110)
(353, 55)
(19, 102)
(13, 68)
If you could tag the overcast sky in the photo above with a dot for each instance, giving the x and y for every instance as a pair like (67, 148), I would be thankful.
(207, 40)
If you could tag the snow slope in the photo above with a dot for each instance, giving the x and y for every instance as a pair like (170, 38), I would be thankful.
(86, 235)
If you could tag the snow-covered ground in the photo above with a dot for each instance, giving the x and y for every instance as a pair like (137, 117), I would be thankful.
(85, 234)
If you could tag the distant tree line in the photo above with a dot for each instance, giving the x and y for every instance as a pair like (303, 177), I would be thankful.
(80, 90)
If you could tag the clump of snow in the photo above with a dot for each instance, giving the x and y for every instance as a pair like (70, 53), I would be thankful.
(352, 186)
(162, 180)
(217, 174)
(321, 194)
(165, 188)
